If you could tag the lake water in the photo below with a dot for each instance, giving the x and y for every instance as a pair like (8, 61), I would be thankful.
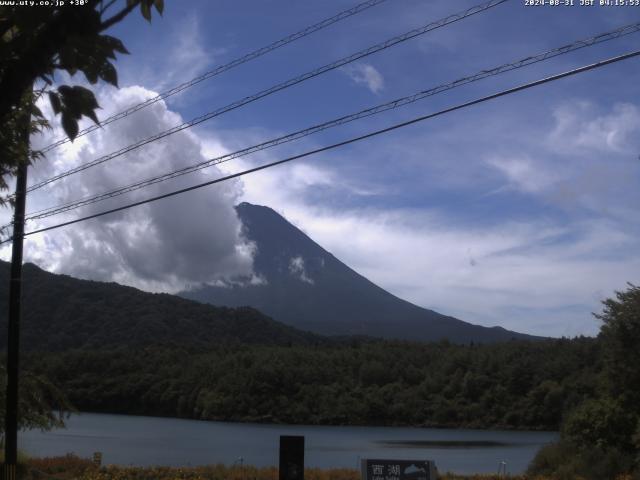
(142, 441)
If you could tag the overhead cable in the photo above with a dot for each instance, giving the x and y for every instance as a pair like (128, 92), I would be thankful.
(361, 7)
(276, 88)
(343, 143)
(529, 60)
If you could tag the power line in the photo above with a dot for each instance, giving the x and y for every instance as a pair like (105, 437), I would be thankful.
(532, 59)
(276, 88)
(361, 7)
(343, 143)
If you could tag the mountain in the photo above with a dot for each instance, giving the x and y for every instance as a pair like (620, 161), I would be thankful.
(305, 286)
(60, 313)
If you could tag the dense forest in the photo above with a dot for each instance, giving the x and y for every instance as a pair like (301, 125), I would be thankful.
(108, 348)
(168, 356)
(512, 385)
(61, 313)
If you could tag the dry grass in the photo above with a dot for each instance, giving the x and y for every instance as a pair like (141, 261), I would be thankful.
(72, 467)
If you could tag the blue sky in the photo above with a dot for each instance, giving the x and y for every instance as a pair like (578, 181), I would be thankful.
(520, 212)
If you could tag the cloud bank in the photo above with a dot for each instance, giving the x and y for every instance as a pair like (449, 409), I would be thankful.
(553, 237)
(162, 246)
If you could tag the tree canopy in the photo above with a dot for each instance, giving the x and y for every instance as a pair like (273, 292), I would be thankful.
(41, 405)
(620, 333)
(35, 43)
(600, 438)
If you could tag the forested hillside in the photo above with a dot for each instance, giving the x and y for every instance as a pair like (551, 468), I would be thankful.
(512, 385)
(62, 312)
(116, 349)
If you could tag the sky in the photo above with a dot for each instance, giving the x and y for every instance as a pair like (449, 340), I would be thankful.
(519, 212)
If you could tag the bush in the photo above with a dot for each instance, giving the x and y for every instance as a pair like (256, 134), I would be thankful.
(566, 461)
(601, 423)
(65, 467)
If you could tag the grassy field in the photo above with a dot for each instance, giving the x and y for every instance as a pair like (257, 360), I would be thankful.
(71, 467)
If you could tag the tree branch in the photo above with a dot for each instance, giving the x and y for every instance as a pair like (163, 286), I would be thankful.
(118, 17)
(104, 8)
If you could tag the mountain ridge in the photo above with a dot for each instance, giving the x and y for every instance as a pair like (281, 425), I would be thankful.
(60, 313)
(307, 287)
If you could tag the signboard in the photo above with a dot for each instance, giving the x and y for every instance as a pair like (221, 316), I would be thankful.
(374, 469)
(291, 457)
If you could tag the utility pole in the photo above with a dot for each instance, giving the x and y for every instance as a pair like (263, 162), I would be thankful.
(13, 337)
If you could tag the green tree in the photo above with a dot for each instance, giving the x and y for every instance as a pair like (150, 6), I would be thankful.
(600, 423)
(620, 336)
(601, 437)
(41, 404)
(37, 42)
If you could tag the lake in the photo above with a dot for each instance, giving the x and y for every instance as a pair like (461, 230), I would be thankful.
(143, 441)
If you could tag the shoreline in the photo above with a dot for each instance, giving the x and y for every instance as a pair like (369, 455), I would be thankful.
(73, 467)
(147, 441)
(275, 422)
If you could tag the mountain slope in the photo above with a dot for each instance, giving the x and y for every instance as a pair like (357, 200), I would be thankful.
(307, 287)
(61, 312)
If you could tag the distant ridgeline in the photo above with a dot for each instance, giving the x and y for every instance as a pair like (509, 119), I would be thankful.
(61, 312)
(306, 287)
(116, 349)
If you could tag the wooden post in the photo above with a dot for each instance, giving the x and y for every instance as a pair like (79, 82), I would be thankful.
(13, 336)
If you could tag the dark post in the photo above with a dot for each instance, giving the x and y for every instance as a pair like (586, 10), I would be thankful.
(291, 457)
(13, 338)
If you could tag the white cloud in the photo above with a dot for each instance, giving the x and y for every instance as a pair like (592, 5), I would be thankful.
(522, 173)
(538, 275)
(187, 56)
(585, 161)
(288, 182)
(481, 274)
(165, 245)
(579, 128)
(304, 176)
(297, 269)
(367, 75)
(179, 55)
